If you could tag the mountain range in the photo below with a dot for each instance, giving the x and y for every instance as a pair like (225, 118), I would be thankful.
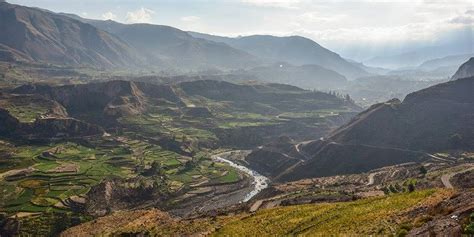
(459, 46)
(170, 47)
(385, 134)
(42, 36)
(296, 50)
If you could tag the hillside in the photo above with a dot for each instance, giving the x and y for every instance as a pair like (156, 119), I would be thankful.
(89, 149)
(170, 47)
(295, 50)
(445, 62)
(412, 213)
(465, 70)
(305, 76)
(42, 36)
(392, 133)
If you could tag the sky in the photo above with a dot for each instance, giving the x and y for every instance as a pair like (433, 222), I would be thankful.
(347, 27)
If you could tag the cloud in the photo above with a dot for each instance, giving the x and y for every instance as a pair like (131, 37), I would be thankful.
(318, 17)
(463, 20)
(412, 32)
(142, 15)
(190, 18)
(466, 19)
(289, 4)
(109, 16)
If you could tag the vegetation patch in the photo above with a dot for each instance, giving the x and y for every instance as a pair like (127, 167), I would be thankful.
(366, 216)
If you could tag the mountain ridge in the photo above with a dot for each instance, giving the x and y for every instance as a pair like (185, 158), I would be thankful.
(292, 49)
(43, 36)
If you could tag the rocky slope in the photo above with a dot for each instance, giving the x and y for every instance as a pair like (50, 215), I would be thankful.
(112, 99)
(465, 70)
(30, 116)
(43, 36)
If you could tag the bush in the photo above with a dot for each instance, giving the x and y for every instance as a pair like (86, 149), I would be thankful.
(423, 170)
(469, 229)
(402, 232)
(411, 187)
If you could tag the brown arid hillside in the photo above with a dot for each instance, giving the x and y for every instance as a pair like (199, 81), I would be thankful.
(41, 36)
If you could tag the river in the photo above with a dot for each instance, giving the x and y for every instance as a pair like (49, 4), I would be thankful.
(260, 182)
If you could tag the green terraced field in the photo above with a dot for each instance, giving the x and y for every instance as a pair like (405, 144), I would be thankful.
(47, 184)
(59, 171)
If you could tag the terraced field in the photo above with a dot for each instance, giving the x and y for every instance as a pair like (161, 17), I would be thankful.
(43, 178)
(48, 175)
(156, 151)
(25, 108)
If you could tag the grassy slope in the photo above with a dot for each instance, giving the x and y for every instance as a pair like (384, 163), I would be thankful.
(366, 216)
(381, 215)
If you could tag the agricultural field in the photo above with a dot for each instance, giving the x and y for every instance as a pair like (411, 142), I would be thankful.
(25, 108)
(153, 146)
(42, 178)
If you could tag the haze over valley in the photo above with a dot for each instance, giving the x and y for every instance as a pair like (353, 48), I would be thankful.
(302, 117)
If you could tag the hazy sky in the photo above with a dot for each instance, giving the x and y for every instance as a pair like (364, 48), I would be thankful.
(332, 23)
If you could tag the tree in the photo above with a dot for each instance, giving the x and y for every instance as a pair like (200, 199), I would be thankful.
(411, 187)
(423, 170)
(189, 165)
(348, 98)
(392, 189)
(156, 168)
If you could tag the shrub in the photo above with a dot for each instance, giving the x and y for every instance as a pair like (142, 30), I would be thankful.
(402, 232)
(411, 187)
(423, 170)
(469, 229)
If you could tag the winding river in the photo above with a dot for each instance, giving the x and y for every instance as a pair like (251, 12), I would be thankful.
(260, 182)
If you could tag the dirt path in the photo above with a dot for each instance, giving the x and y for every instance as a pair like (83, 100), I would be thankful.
(297, 148)
(440, 159)
(445, 179)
